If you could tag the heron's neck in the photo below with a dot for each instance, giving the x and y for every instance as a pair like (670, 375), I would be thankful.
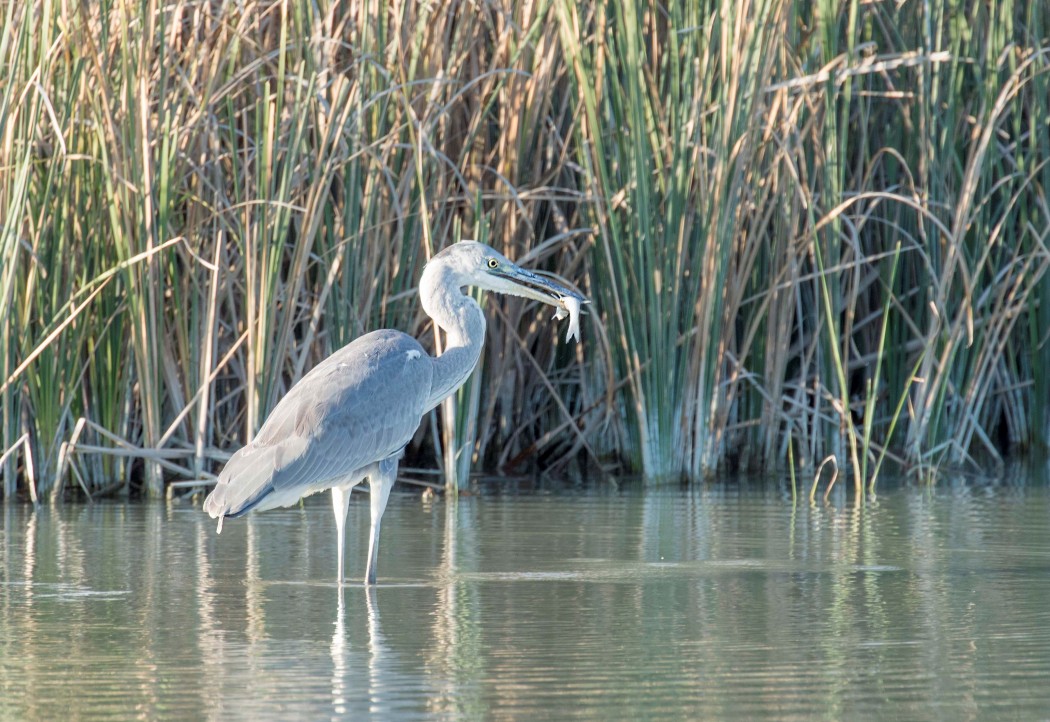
(463, 322)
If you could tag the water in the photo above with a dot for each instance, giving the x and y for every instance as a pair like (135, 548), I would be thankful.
(719, 602)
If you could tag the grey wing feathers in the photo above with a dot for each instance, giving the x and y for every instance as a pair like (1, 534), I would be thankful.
(360, 405)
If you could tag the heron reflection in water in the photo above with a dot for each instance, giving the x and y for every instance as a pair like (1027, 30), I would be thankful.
(350, 417)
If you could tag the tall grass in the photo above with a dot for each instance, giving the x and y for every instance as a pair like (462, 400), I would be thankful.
(808, 229)
(669, 130)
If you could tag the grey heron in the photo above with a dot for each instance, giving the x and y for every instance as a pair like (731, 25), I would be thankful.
(351, 416)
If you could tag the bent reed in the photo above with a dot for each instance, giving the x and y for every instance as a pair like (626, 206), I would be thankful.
(809, 230)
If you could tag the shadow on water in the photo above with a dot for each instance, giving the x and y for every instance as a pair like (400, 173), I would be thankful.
(714, 601)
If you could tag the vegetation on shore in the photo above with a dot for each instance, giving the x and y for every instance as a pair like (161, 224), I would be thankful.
(808, 229)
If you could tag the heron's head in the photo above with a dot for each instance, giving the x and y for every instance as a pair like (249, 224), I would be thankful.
(476, 264)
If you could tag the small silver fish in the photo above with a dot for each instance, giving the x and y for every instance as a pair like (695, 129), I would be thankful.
(570, 306)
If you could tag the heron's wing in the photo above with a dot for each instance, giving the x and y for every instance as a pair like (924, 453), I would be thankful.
(359, 406)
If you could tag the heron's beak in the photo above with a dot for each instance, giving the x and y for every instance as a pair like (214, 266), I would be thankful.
(519, 282)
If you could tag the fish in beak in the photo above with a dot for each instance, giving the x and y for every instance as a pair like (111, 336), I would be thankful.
(517, 281)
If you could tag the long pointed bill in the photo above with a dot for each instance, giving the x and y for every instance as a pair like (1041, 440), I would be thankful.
(519, 282)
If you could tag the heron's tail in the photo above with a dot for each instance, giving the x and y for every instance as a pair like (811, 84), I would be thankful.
(245, 481)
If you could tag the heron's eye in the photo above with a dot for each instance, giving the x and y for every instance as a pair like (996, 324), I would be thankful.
(493, 263)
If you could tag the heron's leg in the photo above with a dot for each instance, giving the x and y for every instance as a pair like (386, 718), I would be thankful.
(340, 505)
(380, 481)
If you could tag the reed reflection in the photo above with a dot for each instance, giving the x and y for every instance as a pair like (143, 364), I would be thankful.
(454, 656)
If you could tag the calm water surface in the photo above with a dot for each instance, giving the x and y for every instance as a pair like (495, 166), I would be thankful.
(717, 602)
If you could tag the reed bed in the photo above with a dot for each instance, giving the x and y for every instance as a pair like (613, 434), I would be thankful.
(809, 230)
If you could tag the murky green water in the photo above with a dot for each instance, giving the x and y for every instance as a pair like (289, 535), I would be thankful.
(715, 603)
